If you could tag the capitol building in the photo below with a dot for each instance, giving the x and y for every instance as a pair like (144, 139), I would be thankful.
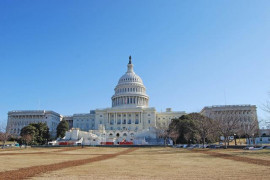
(130, 118)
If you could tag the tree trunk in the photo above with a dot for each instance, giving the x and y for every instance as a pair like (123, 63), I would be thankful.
(203, 142)
(253, 139)
(225, 142)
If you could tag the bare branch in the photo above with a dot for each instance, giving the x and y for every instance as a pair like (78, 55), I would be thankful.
(4, 135)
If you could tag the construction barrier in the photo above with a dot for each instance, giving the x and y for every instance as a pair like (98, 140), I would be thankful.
(66, 143)
(107, 143)
(126, 143)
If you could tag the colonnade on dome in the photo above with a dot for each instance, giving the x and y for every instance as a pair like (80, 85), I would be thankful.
(130, 100)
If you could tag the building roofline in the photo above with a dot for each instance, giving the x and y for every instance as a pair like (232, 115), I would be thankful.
(227, 106)
(14, 112)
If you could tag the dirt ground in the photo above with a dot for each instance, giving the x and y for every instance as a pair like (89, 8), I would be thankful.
(134, 163)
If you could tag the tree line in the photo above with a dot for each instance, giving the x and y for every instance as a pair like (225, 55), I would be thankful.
(34, 134)
(197, 128)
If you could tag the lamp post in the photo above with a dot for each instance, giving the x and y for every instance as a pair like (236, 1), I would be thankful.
(253, 140)
(235, 139)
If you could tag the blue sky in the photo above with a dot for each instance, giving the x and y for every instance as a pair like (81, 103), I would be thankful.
(67, 56)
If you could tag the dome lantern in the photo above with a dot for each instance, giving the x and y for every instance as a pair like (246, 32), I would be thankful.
(130, 90)
(130, 65)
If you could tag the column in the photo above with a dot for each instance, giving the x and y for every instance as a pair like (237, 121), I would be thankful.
(142, 119)
(121, 119)
(115, 118)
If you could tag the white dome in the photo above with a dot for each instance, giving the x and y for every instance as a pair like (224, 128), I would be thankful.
(130, 91)
(130, 77)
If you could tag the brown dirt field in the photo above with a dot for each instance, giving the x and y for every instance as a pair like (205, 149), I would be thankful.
(235, 158)
(43, 152)
(162, 163)
(28, 150)
(144, 163)
(35, 170)
(67, 149)
(27, 158)
(257, 154)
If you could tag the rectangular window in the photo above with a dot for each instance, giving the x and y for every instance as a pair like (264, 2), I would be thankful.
(112, 122)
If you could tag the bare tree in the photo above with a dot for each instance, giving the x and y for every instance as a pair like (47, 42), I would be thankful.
(250, 129)
(205, 126)
(173, 134)
(163, 131)
(227, 124)
(4, 135)
(27, 138)
(266, 106)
